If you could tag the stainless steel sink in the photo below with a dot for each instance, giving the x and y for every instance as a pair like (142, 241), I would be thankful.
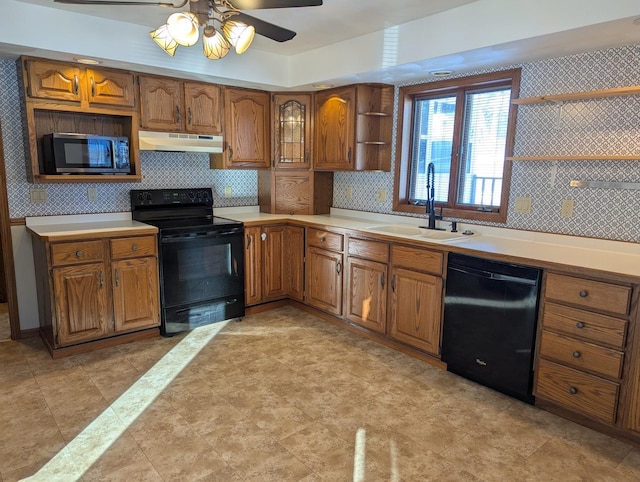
(406, 230)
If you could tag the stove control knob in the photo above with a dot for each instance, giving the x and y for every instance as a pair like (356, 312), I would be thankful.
(140, 196)
(199, 195)
(191, 195)
(148, 196)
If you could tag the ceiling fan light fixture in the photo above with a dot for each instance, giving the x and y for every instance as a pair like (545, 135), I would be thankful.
(184, 28)
(163, 38)
(239, 34)
(214, 45)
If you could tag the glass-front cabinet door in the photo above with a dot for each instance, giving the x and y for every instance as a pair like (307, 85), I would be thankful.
(292, 131)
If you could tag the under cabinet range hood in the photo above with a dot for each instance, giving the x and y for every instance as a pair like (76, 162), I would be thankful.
(179, 142)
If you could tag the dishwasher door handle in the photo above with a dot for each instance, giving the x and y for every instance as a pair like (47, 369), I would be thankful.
(494, 276)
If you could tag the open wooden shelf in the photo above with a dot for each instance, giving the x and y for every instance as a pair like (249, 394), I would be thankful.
(574, 158)
(573, 96)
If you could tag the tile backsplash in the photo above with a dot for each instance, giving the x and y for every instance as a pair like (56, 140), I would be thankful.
(604, 127)
(596, 127)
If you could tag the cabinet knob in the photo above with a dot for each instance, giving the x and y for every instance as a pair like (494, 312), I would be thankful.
(322, 239)
(573, 390)
(580, 325)
(576, 354)
(263, 236)
(583, 294)
(134, 247)
(78, 254)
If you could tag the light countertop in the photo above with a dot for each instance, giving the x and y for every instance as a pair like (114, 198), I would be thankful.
(533, 248)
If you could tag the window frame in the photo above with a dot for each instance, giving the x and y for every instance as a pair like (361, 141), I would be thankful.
(405, 132)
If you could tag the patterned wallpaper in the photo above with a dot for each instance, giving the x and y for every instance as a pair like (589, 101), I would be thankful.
(160, 170)
(597, 127)
(606, 126)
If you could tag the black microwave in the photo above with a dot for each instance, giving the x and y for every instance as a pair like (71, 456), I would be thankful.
(65, 153)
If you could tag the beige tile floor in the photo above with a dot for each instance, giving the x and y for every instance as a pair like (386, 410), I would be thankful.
(279, 396)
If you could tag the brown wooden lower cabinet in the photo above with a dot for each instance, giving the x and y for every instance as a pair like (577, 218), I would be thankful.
(416, 309)
(324, 280)
(97, 289)
(274, 257)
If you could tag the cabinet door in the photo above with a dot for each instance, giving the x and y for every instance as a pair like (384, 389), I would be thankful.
(203, 106)
(291, 131)
(110, 87)
(274, 269)
(324, 280)
(246, 128)
(82, 311)
(53, 80)
(334, 129)
(415, 302)
(135, 293)
(161, 104)
(252, 266)
(366, 302)
(293, 255)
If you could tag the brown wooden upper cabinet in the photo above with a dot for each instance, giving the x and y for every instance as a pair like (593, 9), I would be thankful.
(70, 82)
(168, 104)
(291, 131)
(246, 132)
(353, 128)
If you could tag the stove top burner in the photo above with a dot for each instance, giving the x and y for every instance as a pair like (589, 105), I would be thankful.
(178, 210)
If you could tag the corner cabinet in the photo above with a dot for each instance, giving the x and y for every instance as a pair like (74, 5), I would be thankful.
(103, 290)
(68, 97)
(168, 104)
(246, 130)
(353, 127)
(274, 263)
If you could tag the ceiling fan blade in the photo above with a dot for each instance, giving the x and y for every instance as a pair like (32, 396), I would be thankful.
(266, 29)
(121, 3)
(259, 4)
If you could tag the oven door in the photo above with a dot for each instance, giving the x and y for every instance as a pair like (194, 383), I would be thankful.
(197, 267)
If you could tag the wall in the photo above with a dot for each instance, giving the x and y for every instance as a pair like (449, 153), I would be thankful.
(598, 127)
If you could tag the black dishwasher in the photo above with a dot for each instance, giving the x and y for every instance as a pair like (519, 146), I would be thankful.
(490, 311)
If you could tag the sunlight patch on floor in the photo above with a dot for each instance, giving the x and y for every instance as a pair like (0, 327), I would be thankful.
(89, 445)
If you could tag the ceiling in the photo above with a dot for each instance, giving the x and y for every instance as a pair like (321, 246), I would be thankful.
(340, 42)
(316, 27)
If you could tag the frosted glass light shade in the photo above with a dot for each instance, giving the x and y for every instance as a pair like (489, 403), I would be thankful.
(183, 27)
(239, 34)
(162, 37)
(214, 45)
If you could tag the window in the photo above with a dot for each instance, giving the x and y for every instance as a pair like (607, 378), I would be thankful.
(465, 128)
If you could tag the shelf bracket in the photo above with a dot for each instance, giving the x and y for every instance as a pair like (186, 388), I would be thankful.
(559, 106)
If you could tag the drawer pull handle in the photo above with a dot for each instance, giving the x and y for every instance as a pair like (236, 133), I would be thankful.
(573, 390)
(576, 354)
(322, 239)
(78, 254)
(583, 294)
(580, 325)
(134, 247)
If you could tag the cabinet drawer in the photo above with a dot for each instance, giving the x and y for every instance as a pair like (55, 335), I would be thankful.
(374, 250)
(76, 252)
(418, 259)
(585, 394)
(580, 354)
(597, 295)
(325, 239)
(593, 327)
(133, 247)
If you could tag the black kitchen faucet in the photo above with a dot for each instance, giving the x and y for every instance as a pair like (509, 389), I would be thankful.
(431, 202)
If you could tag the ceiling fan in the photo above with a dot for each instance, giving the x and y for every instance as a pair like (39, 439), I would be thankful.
(204, 11)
